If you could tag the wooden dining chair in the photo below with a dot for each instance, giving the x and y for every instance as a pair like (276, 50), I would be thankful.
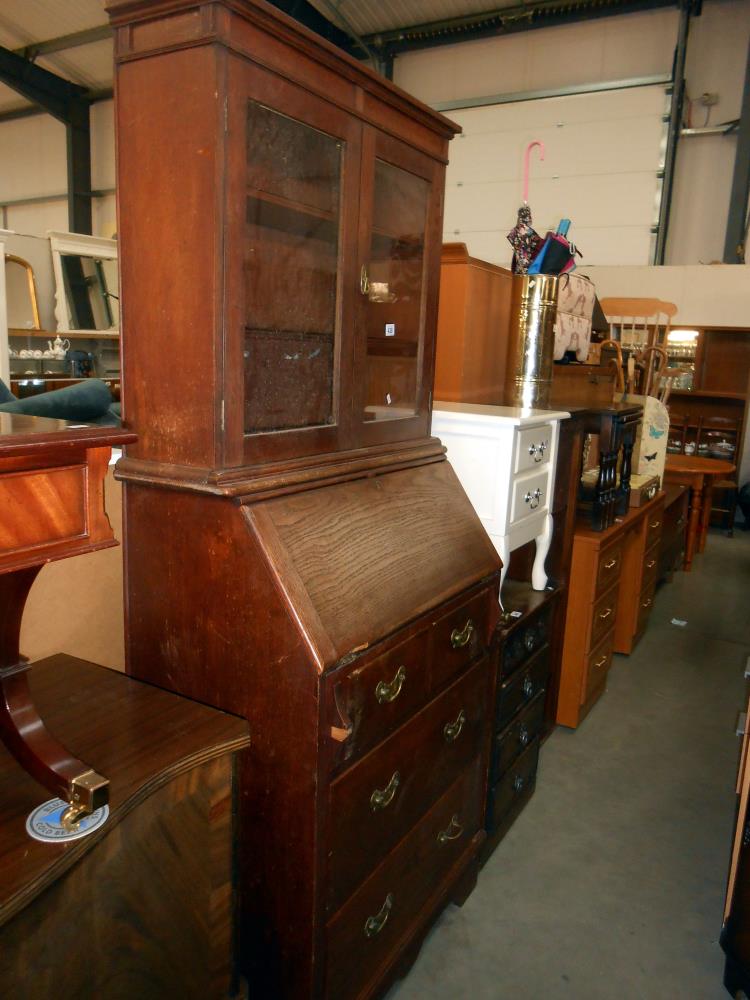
(642, 325)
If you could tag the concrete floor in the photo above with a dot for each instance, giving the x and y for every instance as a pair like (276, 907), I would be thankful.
(611, 883)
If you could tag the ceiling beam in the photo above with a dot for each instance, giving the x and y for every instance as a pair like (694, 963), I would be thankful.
(64, 42)
(305, 13)
(69, 104)
(503, 21)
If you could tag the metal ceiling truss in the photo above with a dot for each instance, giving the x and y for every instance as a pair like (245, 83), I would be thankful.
(69, 104)
(502, 21)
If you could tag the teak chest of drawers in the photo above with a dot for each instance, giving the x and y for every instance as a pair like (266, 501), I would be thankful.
(610, 593)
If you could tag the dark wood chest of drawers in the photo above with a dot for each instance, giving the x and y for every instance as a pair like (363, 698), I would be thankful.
(518, 720)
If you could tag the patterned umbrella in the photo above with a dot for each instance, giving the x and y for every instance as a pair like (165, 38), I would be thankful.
(523, 237)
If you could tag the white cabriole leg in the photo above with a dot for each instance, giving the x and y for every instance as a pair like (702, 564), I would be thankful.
(543, 541)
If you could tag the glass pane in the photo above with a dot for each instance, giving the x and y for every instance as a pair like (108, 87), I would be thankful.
(291, 265)
(393, 308)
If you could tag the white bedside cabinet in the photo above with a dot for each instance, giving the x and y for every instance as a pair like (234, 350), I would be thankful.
(505, 458)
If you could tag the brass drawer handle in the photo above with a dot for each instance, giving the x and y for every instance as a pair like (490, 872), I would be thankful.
(383, 797)
(655, 524)
(364, 281)
(651, 563)
(646, 604)
(386, 692)
(374, 925)
(604, 615)
(611, 564)
(460, 637)
(523, 736)
(600, 663)
(528, 687)
(452, 832)
(452, 730)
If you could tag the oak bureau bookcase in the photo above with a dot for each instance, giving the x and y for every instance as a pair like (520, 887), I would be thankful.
(298, 550)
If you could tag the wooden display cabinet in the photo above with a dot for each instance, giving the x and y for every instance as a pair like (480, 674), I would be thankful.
(298, 551)
(710, 418)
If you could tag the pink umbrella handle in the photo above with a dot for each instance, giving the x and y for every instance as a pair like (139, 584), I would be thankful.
(526, 155)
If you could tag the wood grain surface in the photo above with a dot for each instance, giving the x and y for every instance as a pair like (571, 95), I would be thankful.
(406, 540)
(139, 736)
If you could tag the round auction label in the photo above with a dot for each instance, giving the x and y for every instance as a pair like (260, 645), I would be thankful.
(44, 823)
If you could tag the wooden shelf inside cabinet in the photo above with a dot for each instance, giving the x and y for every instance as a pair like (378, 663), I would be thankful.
(297, 218)
(66, 335)
(708, 394)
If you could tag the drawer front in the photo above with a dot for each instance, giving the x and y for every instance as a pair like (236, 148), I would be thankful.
(529, 495)
(523, 642)
(532, 448)
(379, 799)
(650, 567)
(520, 689)
(644, 607)
(516, 783)
(513, 740)
(379, 695)
(654, 525)
(459, 637)
(597, 667)
(603, 617)
(365, 933)
(608, 568)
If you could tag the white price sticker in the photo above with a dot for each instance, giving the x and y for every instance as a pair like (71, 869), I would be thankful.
(390, 329)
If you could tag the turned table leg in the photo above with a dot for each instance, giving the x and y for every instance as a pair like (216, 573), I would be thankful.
(21, 729)
(693, 531)
(706, 504)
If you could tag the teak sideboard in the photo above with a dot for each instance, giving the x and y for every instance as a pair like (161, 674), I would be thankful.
(298, 551)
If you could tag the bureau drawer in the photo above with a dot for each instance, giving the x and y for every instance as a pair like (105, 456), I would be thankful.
(376, 697)
(518, 690)
(524, 641)
(529, 495)
(532, 447)
(364, 935)
(379, 799)
(597, 667)
(608, 568)
(460, 637)
(514, 739)
(515, 784)
(603, 616)
(653, 525)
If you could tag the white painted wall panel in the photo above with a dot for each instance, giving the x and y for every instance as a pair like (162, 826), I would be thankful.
(602, 155)
(610, 48)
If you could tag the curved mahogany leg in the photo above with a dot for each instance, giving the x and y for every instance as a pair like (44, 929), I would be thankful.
(21, 729)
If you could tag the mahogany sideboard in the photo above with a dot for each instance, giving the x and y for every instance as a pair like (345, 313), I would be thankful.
(143, 906)
(298, 550)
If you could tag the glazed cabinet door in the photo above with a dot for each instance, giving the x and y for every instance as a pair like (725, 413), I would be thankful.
(293, 165)
(400, 233)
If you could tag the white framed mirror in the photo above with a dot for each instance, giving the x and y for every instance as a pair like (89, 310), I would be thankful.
(87, 295)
